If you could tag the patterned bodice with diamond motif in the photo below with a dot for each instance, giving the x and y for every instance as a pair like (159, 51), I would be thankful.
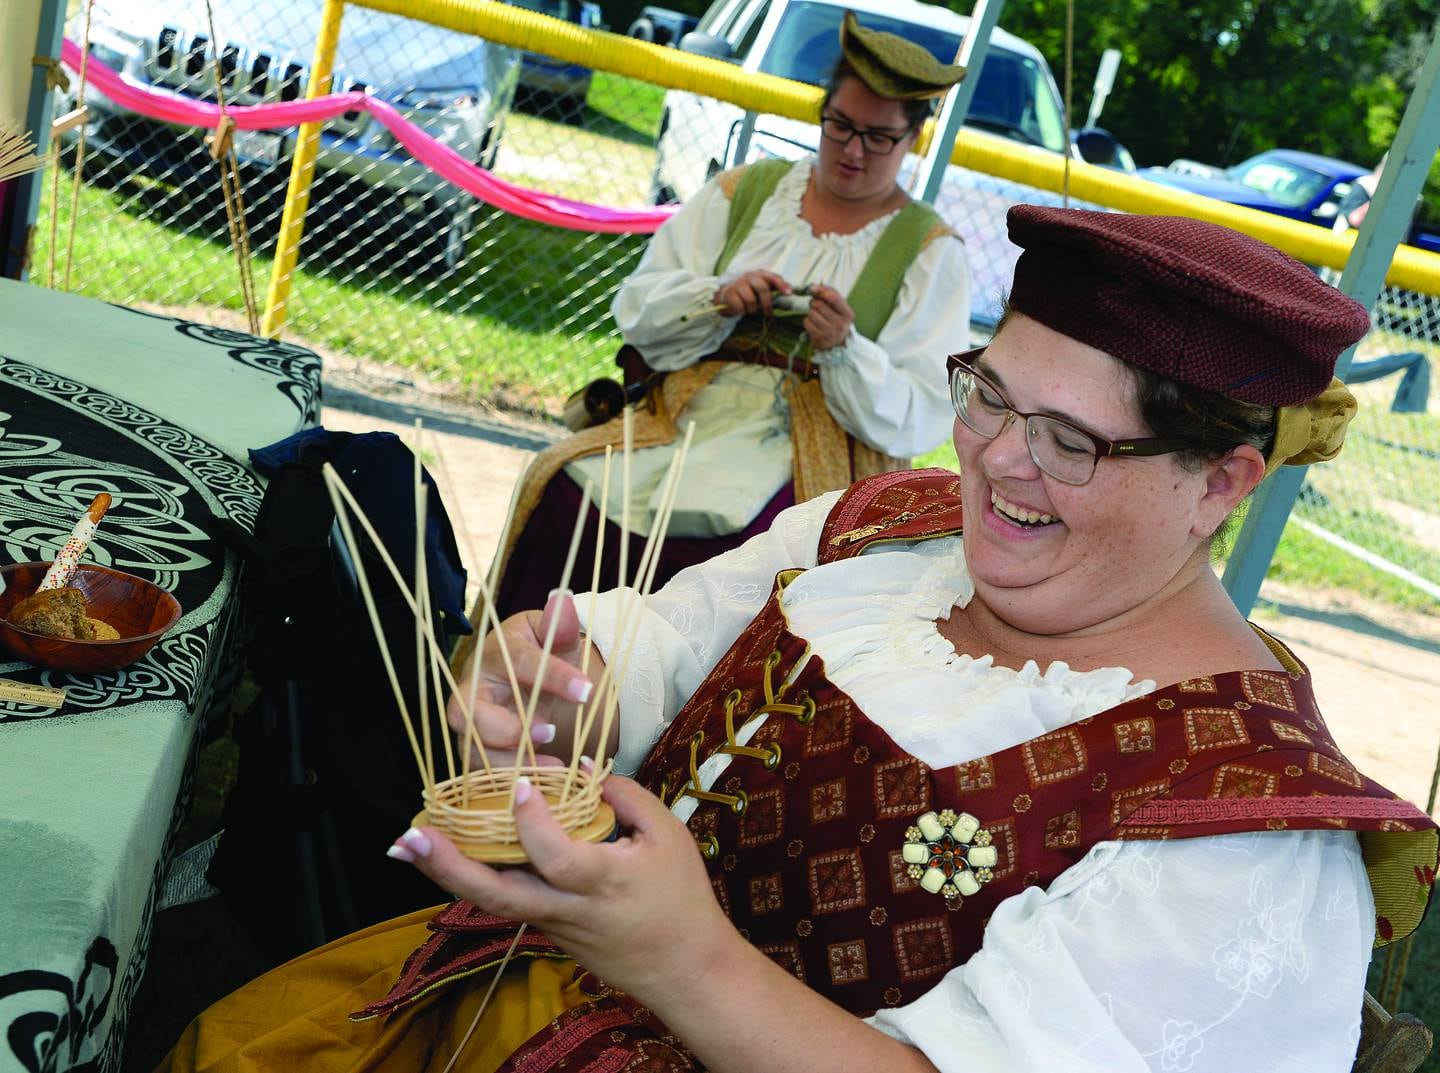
(870, 875)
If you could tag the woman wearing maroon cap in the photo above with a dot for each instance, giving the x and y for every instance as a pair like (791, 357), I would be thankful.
(1022, 792)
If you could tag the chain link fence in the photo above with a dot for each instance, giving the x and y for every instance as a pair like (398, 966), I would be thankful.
(397, 266)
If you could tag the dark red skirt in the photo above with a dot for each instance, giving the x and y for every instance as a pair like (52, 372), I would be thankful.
(539, 556)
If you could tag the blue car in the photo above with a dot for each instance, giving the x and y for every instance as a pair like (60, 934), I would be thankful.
(1287, 182)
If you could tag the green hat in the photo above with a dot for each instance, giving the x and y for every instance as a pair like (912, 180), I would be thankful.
(892, 66)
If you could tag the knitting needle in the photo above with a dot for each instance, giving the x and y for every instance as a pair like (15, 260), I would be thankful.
(781, 305)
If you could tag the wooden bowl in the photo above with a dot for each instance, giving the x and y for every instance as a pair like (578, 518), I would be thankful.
(139, 610)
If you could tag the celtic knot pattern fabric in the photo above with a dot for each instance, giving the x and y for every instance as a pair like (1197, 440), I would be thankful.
(87, 817)
(166, 483)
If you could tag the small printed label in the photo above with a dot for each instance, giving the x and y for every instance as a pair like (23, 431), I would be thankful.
(25, 693)
(261, 146)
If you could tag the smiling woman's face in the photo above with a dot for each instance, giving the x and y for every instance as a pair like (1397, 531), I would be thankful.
(1052, 558)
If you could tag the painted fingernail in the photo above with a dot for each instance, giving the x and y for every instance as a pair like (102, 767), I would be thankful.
(579, 689)
(542, 733)
(587, 763)
(558, 592)
(523, 789)
(400, 853)
(417, 842)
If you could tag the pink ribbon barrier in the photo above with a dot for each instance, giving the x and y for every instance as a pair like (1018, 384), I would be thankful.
(170, 107)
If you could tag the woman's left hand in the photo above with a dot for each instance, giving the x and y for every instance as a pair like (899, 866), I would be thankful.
(639, 912)
(830, 318)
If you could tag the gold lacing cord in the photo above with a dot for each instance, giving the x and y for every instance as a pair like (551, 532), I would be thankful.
(770, 756)
(222, 151)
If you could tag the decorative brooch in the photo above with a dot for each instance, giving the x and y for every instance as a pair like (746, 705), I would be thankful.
(949, 854)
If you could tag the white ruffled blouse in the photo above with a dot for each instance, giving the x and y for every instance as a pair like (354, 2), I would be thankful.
(1200, 955)
(888, 392)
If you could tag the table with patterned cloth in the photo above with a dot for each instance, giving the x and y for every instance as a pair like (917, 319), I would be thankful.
(158, 412)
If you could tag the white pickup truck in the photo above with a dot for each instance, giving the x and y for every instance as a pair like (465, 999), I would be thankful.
(1015, 98)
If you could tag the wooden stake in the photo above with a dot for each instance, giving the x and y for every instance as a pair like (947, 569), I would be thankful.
(422, 620)
(629, 616)
(334, 485)
(17, 153)
(338, 487)
(426, 611)
(628, 442)
(484, 1002)
(580, 722)
(410, 598)
(527, 719)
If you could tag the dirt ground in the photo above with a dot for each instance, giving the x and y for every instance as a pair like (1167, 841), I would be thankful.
(1376, 668)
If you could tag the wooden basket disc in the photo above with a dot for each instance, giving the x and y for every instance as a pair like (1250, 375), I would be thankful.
(597, 830)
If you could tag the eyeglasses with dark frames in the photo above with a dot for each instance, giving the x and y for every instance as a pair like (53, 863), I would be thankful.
(876, 142)
(1060, 449)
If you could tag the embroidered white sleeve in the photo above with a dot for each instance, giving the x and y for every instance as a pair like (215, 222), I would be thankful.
(675, 277)
(891, 392)
(684, 629)
(1201, 955)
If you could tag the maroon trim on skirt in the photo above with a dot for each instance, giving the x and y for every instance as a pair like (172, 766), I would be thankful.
(539, 556)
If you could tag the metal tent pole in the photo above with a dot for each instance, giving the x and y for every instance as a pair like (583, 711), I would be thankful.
(931, 172)
(39, 113)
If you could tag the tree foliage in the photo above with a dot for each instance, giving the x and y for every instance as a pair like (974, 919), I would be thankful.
(1221, 80)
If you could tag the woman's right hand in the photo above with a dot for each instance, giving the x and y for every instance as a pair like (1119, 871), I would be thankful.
(750, 293)
(497, 711)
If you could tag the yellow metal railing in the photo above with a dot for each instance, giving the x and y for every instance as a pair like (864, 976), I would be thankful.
(505, 24)
(302, 171)
(1411, 269)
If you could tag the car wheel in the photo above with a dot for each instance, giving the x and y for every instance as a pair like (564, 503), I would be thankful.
(455, 239)
(642, 28)
(441, 233)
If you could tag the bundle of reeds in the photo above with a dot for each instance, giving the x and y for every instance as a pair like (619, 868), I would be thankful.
(17, 153)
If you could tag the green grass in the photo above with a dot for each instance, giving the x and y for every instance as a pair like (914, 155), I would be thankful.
(527, 322)
(943, 457)
(1308, 562)
(625, 108)
(594, 166)
(1373, 447)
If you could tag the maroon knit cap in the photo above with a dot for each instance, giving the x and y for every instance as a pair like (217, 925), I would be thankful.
(1199, 303)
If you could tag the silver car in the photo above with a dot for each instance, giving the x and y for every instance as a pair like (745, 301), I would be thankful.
(458, 87)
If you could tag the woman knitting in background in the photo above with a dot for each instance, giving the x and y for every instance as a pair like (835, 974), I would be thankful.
(792, 394)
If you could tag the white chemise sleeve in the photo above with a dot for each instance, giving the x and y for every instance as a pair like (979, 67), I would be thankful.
(676, 277)
(891, 392)
(686, 627)
(1199, 955)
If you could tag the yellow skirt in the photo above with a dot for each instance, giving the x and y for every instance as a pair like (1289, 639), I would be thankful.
(297, 1016)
